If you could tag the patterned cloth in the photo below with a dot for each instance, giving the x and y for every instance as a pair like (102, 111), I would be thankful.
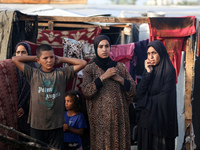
(77, 49)
(72, 48)
(8, 98)
(56, 37)
(173, 35)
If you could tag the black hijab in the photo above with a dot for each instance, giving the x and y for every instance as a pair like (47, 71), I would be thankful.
(161, 69)
(26, 45)
(23, 85)
(157, 92)
(103, 63)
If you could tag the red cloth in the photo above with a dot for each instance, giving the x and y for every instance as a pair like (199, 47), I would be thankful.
(56, 37)
(8, 98)
(173, 33)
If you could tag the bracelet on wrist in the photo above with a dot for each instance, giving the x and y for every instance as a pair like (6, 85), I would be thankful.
(101, 78)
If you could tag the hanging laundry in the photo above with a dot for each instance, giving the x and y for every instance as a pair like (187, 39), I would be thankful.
(122, 53)
(76, 49)
(88, 51)
(72, 48)
(137, 62)
(173, 35)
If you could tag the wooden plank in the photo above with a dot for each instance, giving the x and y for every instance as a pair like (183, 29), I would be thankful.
(50, 25)
(188, 79)
(66, 25)
(26, 1)
(88, 19)
(5, 1)
(189, 72)
(93, 19)
(35, 1)
(188, 122)
(122, 37)
(45, 1)
(68, 1)
(10, 1)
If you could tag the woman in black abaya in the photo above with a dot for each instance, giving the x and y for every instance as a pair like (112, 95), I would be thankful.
(157, 108)
(23, 49)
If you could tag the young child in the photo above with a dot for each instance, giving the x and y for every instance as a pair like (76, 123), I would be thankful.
(48, 87)
(74, 121)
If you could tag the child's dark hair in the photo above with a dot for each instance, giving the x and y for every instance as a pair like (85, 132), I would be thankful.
(43, 47)
(77, 97)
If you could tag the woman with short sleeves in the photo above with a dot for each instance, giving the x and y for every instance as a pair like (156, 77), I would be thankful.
(157, 106)
(109, 89)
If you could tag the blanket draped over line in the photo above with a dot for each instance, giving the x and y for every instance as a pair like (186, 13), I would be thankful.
(8, 98)
(172, 32)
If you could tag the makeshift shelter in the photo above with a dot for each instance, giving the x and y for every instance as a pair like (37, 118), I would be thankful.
(53, 23)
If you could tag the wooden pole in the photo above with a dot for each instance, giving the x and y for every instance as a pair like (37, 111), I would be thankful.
(21, 145)
(189, 73)
(10, 140)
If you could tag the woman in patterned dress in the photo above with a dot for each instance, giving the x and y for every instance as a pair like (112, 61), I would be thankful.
(109, 89)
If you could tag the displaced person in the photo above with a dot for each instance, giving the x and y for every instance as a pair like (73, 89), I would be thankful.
(74, 121)
(48, 87)
(109, 89)
(157, 108)
(23, 49)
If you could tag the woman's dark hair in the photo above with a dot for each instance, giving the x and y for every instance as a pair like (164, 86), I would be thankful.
(77, 98)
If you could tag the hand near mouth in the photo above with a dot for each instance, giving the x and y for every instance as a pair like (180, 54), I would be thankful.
(148, 65)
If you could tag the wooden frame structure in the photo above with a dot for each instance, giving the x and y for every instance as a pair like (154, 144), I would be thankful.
(189, 77)
(54, 21)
